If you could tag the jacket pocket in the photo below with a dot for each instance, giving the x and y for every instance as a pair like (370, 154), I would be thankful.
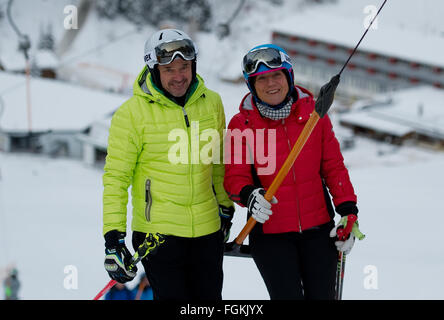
(148, 199)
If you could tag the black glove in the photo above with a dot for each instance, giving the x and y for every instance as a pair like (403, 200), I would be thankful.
(226, 215)
(326, 96)
(118, 258)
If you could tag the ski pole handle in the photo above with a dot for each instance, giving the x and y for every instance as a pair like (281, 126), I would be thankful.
(344, 232)
(358, 234)
(143, 250)
(134, 260)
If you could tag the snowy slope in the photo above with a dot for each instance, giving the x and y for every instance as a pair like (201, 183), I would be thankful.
(50, 213)
(55, 105)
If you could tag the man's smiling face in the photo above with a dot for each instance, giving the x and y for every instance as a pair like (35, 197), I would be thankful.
(176, 76)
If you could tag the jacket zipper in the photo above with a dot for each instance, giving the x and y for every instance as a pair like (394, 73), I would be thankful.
(185, 115)
(148, 199)
(191, 177)
(294, 175)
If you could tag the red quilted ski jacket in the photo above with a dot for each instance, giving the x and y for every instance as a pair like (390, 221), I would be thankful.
(255, 149)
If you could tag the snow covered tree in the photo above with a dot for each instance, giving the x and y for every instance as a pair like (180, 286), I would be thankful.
(108, 8)
(2, 11)
(321, 1)
(46, 40)
(154, 11)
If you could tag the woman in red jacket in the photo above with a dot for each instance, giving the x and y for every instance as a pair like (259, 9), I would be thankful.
(291, 246)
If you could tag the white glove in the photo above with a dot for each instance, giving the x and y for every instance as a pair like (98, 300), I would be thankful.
(259, 207)
(346, 245)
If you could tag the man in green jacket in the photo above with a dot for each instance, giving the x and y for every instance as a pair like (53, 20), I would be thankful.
(166, 143)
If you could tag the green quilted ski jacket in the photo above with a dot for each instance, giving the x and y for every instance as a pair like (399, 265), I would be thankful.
(172, 157)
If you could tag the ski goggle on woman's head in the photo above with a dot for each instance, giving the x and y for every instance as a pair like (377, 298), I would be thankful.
(166, 52)
(270, 57)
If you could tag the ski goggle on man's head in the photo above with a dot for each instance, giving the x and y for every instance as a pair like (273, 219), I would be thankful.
(270, 57)
(166, 52)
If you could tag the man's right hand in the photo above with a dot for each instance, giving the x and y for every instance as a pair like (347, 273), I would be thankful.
(118, 258)
(258, 206)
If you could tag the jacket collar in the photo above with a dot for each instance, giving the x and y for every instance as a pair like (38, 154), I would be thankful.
(301, 108)
(144, 87)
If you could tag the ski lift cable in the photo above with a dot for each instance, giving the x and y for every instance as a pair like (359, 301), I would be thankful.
(368, 28)
(24, 43)
(224, 28)
(236, 12)
(11, 21)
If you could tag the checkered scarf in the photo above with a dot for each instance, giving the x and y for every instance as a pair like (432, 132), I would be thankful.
(275, 113)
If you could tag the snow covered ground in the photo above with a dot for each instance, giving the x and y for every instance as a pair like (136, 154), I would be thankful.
(50, 209)
(50, 219)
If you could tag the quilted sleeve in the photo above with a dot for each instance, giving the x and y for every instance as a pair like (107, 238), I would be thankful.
(218, 168)
(122, 154)
(237, 160)
(333, 169)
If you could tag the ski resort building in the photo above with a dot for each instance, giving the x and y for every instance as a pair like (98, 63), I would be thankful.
(319, 50)
(95, 142)
(415, 114)
(49, 116)
(43, 63)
